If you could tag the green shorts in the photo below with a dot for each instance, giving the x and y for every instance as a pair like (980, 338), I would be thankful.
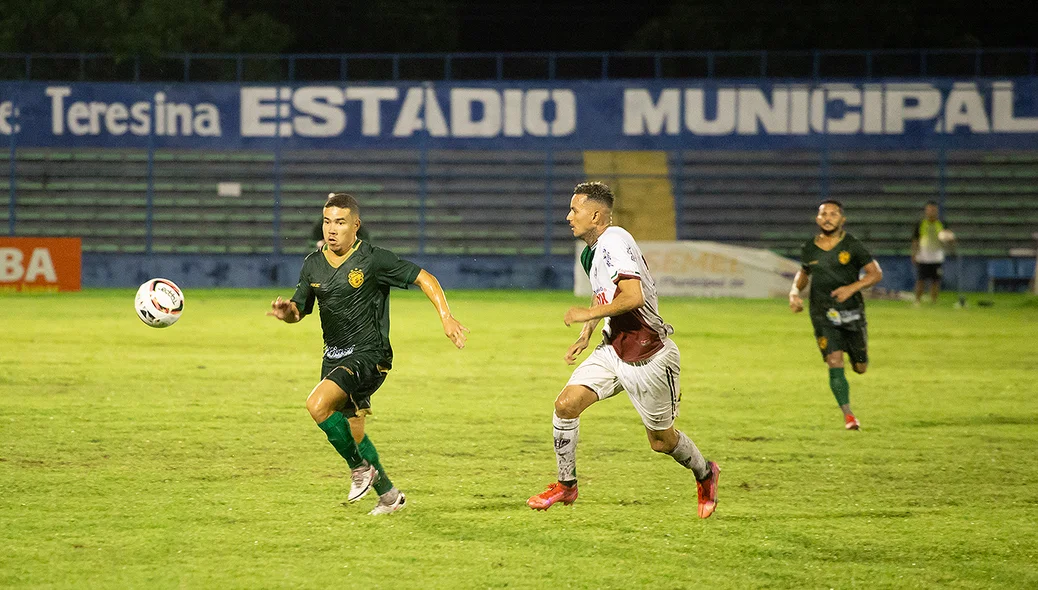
(359, 375)
(850, 338)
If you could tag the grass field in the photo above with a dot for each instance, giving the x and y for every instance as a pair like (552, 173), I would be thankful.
(144, 458)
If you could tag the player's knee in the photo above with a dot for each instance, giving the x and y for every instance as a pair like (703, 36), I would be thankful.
(320, 410)
(566, 408)
(860, 368)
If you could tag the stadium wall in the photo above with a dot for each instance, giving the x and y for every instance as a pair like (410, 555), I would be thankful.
(459, 171)
(454, 272)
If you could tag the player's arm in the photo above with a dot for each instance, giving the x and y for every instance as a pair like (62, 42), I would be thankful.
(796, 303)
(628, 297)
(285, 310)
(451, 327)
(873, 274)
(583, 340)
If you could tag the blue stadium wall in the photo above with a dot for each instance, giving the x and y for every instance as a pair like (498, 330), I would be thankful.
(472, 180)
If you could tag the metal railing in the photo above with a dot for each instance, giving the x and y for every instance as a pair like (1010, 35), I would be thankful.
(244, 68)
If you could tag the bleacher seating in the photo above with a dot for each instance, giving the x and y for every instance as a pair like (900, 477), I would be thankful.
(767, 199)
(506, 202)
(474, 202)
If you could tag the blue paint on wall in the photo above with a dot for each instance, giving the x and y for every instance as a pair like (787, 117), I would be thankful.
(453, 272)
(199, 271)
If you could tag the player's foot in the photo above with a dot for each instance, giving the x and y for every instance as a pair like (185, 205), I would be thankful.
(851, 423)
(556, 492)
(389, 502)
(361, 480)
(708, 491)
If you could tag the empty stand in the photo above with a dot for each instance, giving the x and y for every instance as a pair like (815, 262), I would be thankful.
(469, 202)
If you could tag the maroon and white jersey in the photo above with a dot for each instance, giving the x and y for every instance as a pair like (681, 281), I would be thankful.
(639, 333)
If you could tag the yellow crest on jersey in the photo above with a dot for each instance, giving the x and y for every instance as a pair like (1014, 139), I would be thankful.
(823, 342)
(356, 278)
(845, 257)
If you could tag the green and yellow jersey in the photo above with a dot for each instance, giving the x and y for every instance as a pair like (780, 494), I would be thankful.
(354, 298)
(834, 268)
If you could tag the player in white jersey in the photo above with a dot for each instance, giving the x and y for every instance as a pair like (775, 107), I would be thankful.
(636, 354)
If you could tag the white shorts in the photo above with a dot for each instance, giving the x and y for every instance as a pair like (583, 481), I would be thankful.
(652, 384)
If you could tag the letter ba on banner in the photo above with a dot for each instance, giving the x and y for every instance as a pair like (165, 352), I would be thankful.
(40, 264)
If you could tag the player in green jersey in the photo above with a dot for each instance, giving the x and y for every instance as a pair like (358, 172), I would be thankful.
(834, 261)
(350, 279)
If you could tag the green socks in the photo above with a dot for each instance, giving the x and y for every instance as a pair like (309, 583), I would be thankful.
(367, 450)
(338, 431)
(838, 383)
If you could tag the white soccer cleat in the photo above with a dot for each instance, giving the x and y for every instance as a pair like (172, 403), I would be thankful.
(386, 507)
(361, 480)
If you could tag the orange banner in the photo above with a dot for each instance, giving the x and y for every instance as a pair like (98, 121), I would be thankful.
(40, 264)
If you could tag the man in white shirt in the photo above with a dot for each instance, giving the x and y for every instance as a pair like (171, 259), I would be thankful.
(636, 354)
(929, 237)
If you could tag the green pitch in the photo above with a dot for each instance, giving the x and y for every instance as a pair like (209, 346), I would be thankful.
(133, 457)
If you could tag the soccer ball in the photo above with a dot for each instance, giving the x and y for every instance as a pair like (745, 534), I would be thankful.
(946, 235)
(159, 303)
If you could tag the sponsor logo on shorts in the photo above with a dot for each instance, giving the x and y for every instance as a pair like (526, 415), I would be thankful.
(335, 353)
(356, 278)
(315, 285)
(845, 257)
(823, 342)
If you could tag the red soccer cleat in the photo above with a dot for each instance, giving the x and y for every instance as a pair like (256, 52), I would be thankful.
(556, 492)
(708, 491)
(851, 423)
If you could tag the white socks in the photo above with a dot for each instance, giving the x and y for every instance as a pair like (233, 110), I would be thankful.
(567, 431)
(686, 453)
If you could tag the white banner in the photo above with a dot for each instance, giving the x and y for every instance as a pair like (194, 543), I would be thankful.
(707, 269)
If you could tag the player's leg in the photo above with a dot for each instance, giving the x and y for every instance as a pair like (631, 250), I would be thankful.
(324, 403)
(857, 343)
(390, 499)
(654, 388)
(369, 378)
(569, 405)
(935, 283)
(831, 345)
(355, 379)
(919, 287)
(593, 380)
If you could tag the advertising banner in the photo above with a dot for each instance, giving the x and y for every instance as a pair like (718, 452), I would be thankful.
(40, 264)
(578, 115)
(707, 269)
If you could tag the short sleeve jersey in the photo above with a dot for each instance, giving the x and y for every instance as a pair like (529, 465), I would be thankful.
(834, 268)
(931, 251)
(354, 298)
(637, 334)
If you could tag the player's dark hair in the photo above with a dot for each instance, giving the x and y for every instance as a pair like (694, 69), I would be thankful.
(832, 202)
(343, 201)
(932, 202)
(595, 191)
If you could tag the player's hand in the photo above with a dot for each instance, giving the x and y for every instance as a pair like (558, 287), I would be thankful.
(843, 293)
(283, 309)
(575, 349)
(453, 329)
(796, 303)
(577, 315)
